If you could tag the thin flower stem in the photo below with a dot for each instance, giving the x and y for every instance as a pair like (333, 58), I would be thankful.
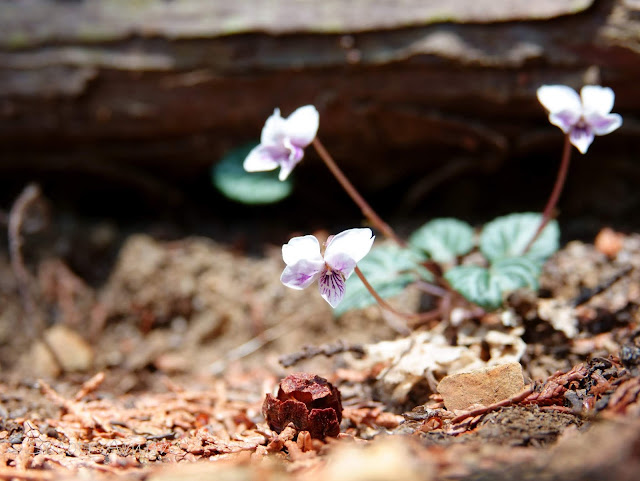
(425, 316)
(555, 194)
(366, 209)
(432, 289)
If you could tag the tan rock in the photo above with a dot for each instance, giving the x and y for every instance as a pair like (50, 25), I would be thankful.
(39, 362)
(69, 348)
(482, 386)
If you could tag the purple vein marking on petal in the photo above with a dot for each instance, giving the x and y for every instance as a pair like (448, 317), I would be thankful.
(301, 277)
(332, 287)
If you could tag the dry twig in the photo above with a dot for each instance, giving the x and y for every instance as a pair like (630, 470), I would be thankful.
(249, 347)
(627, 394)
(522, 395)
(327, 350)
(586, 295)
(89, 386)
(550, 395)
(16, 221)
(552, 392)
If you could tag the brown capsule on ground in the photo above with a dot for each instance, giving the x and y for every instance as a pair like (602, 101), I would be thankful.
(309, 402)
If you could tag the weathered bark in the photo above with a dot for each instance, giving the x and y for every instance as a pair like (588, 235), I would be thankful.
(439, 86)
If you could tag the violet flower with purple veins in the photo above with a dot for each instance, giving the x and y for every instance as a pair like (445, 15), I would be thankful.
(305, 263)
(283, 141)
(580, 116)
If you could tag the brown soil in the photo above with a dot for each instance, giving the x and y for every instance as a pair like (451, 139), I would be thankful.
(160, 373)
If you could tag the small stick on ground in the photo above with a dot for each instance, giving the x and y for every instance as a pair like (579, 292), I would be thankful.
(16, 220)
(249, 347)
(327, 350)
(522, 395)
(396, 362)
(54, 397)
(75, 408)
(587, 294)
(89, 386)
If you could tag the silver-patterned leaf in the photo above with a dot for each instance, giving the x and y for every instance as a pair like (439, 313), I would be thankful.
(488, 287)
(508, 236)
(443, 239)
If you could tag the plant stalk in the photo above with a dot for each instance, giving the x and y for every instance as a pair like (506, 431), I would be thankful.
(366, 209)
(425, 316)
(555, 193)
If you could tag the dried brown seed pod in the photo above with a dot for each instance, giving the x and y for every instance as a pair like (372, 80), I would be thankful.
(307, 401)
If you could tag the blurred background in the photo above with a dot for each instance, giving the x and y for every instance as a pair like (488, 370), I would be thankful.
(119, 109)
(139, 253)
(132, 244)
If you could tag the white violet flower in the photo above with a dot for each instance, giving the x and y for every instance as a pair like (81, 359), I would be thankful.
(283, 140)
(305, 263)
(580, 116)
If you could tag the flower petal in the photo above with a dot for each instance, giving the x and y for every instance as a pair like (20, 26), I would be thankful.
(301, 274)
(581, 138)
(261, 158)
(565, 119)
(331, 286)
(354, 243)
(296, 153)
(558, 98)
(294, 156)
(302, 125)
(274, 130)
(285, 169)
(604, 124)
(597, 99)
(342, 263)
(302, 248)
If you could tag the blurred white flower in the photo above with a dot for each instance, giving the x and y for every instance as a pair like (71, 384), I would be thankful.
(580, 116)
(283, 141)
